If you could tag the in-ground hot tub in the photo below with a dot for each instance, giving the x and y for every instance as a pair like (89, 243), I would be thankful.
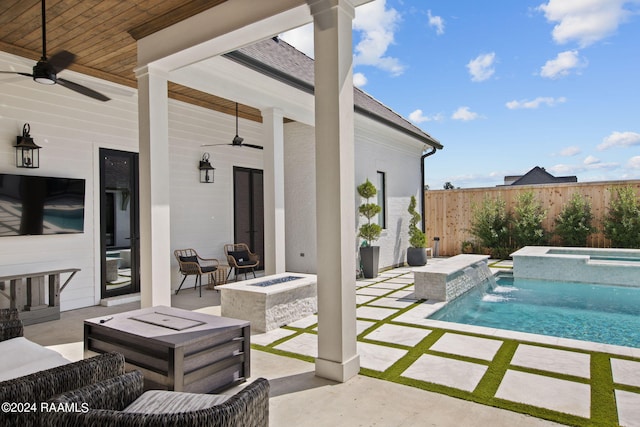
(272, 301)
(587, 265)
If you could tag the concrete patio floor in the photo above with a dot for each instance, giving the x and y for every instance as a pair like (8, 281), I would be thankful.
(457, 359)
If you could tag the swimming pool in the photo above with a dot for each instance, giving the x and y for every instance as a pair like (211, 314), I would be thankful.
(599, 313)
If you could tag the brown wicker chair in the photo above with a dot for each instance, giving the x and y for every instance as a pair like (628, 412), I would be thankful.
(240, 257)
(192, 264)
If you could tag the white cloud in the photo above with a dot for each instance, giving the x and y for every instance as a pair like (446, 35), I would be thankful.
(535, 103)
(464, 114)
(481, 68)
(301, 38)
(436, 22)
(570, 151)
(591, 160)
(620, 139)
(634, 163)
(376, 25)
(418, 116)
(562, 65)
(359, 79)
(584, 21)
(564, 169)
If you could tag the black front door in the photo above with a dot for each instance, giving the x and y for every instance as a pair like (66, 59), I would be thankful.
(248, 204)
(119, 223)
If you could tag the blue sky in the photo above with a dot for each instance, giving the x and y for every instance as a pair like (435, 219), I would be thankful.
(507, 85)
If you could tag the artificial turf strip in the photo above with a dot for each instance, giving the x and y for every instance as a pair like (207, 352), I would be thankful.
(488, 385)
(603, 400)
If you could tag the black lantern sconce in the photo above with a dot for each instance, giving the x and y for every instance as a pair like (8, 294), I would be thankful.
(206, 170)
(27, 152)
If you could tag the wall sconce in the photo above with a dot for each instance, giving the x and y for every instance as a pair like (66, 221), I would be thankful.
(27, 152)
(206, 170)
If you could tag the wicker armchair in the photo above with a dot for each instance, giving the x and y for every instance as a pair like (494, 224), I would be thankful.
(192, 264)
(240, 257)
(106, 404)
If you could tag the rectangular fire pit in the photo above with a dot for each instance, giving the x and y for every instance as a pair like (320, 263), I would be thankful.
(272, 301)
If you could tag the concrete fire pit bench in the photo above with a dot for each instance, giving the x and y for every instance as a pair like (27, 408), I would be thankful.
(272, 301)
(447, 280)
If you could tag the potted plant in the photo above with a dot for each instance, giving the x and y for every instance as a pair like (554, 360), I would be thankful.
(369, 231)
(416, 255)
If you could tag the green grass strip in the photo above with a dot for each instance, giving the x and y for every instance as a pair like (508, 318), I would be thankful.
(603, 401)
(492, 378)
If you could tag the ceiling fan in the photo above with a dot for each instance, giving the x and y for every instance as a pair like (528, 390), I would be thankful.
(237, 140)
(47, 69)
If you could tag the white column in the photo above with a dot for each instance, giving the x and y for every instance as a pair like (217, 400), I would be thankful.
(335, 186)
(274, 218)
(155, 245)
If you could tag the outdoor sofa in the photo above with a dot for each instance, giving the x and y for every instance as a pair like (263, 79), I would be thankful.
(31, 374)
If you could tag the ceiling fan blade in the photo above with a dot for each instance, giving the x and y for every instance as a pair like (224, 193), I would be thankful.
(213, 145)
(15, 72)
(61, 60)
(259, 147)
(82, 90)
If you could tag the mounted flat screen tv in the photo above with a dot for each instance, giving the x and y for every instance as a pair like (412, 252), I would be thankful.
(35, 205)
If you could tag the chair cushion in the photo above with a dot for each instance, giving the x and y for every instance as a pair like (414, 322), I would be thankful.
(192, 258)
(170, 402)
(23, 357)
(208, 269)
(240, 256)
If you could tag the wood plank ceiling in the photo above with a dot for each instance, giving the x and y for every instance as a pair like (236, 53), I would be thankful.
(102, 35)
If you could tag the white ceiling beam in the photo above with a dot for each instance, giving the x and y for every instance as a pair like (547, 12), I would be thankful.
(223, 28)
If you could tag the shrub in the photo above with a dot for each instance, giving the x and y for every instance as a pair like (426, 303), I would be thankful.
(369, 232)
(490, 225)
(417, 239)
(574, 223)
(527, 221)
(622, 221)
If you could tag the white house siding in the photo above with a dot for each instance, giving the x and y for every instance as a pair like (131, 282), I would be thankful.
(72, 128)
(377, 148)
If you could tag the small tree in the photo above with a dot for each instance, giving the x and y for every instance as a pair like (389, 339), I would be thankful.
(527, 224)
(417, 239)
(490, 225)
(370, 231)
(622, 221)
(574, 223)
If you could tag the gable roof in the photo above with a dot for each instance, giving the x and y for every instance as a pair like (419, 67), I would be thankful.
(279, 60)
(539, 175)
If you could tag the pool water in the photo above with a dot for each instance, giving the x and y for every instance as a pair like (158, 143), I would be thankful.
(599, 313)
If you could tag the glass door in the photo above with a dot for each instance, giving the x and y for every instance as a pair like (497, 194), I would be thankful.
(119, 222)
(248, 201)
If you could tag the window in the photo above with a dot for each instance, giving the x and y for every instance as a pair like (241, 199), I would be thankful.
(381, 185)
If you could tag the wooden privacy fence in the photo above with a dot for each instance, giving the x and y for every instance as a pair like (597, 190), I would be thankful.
(448, 213)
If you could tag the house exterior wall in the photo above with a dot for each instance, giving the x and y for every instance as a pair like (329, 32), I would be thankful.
(71, 129)
(377, 148)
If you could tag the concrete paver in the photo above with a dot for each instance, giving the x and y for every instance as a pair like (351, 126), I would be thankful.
(398, 334)
(545, 392)
(553, 360)
(463, 345)
(445, 371)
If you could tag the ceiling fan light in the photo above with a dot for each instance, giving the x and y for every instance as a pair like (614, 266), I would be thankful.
(43, 74)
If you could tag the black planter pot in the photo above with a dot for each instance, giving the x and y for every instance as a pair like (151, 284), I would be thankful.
(416, 257)
(369, 256)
